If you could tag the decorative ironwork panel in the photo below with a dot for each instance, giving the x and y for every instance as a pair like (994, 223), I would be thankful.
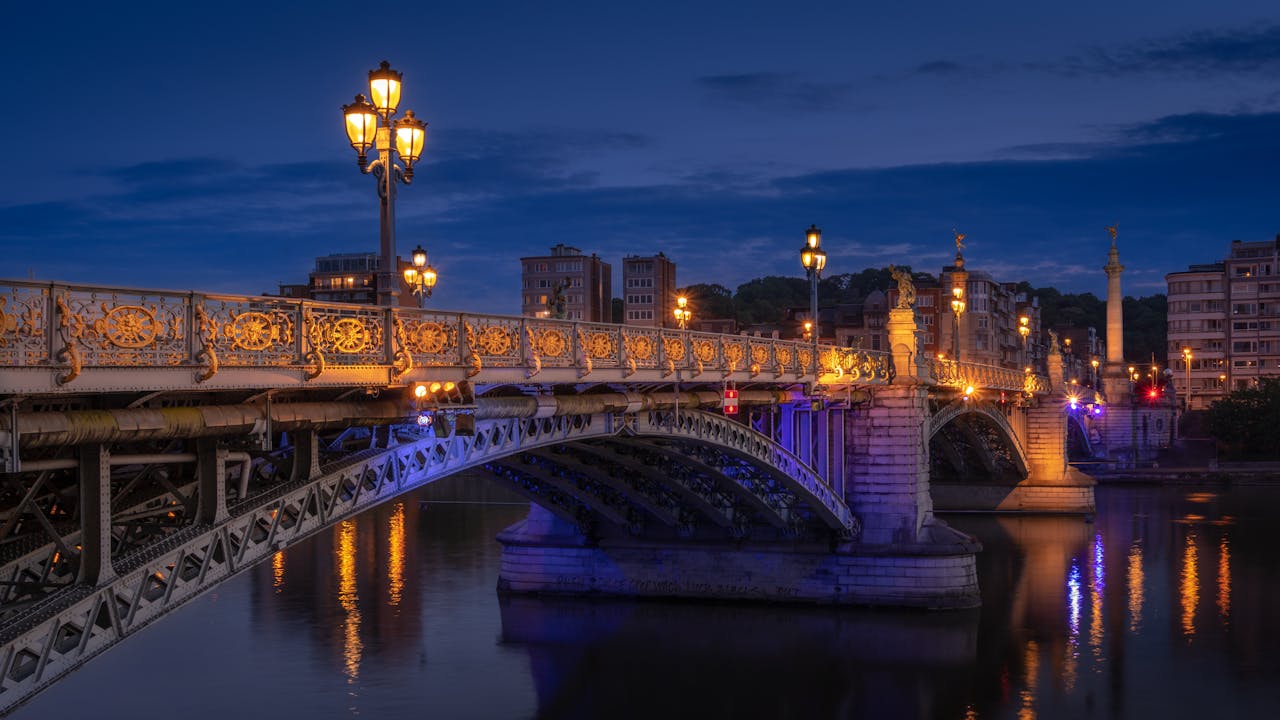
(643, 346)
(601, 344)
(432, 338)
(551, 341)
(250, 331)
(120, 328)
(346, 334)
(24, 325)
(495, 340)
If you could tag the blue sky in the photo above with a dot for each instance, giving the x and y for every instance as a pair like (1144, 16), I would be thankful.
(200, 146)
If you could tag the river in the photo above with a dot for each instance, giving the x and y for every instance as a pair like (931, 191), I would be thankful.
(1164, 606)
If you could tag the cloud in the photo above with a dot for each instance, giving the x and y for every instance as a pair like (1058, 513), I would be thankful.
(1254, 49)
(1181, 188)
(777, 91)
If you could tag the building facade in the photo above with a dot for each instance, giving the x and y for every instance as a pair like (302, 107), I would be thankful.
(648, 291)
(566, 284)
(1227, 315)
(349, 278)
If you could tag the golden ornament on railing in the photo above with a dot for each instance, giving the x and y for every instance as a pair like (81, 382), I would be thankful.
(783, 355)
(673, 348)
(494, 340)
(704, 350)
(600, 345)
(552, 343)
(252, 331)
(641, 347)
(128, 326)
(759, 354)
(428, 338)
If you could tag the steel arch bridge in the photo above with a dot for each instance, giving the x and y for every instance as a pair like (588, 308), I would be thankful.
(735, 482)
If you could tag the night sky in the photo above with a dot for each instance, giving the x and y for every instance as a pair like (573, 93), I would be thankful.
(200, 145)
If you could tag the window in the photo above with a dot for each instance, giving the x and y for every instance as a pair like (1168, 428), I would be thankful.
(924, 301)
(1244, 309)
(1244, 346)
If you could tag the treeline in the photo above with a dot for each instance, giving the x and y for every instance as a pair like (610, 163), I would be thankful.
(766, 300)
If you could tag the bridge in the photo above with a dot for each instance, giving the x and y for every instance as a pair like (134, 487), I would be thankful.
(155, 443)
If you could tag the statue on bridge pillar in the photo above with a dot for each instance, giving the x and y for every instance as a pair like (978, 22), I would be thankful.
(906, 289)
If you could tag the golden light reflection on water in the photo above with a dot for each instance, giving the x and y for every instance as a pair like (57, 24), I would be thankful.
(1137, 588)
(277, 571)
(395, 559)
(352, 648)
(1224, 578)
(1189, 585)
(1031, 667)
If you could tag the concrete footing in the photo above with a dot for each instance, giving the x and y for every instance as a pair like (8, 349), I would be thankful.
(936, 573)
(1070, 494)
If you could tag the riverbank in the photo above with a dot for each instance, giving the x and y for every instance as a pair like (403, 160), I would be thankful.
(1244, 473)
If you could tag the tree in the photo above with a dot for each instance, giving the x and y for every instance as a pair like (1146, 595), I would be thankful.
(765, 300)
(709, 301)
(1245, 421)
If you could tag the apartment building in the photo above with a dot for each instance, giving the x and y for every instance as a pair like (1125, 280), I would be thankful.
(349, 278)
(566, 284)
(648, 290)
(1228, 315)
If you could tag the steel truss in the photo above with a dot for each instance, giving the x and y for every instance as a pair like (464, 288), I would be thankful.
(167, 541)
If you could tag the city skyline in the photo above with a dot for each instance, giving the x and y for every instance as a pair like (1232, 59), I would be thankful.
(715, 134)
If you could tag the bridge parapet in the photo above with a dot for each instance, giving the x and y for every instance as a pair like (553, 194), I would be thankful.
(950, 373)
(66, 329)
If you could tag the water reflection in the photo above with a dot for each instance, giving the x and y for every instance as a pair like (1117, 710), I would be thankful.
(348, 598)
(1189, 585)
(394, 614)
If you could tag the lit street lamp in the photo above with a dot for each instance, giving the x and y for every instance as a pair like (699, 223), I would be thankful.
(1094, 363)
(420, 277)
(1186, 360)
(682, 312)
(370, 125)
(813, 258)
(959, 278)
(1024, 329)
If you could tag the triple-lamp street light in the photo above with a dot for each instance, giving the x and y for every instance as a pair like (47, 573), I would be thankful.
(813, 258)
(370, 125)
(957, 307)
(420, 276)
(682, 312)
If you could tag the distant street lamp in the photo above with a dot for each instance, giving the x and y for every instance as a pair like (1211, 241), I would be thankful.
(1186, 360)
(1094, 363)
(808, 330)
(1024, 329)
(420, 277)
(682, 312)
(370, 125)
(813, 258)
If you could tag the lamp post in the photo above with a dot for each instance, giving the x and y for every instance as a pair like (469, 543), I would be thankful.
(682, 312)
(370, 125)
(813, 258)
(957, 307)
(1094, 363)
(1186, 360)
(1024, 329)
(420, 277)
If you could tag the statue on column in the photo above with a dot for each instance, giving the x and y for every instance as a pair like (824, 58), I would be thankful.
(906, 289)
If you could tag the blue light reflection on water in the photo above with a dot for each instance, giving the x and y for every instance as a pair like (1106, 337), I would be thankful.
(405, 621)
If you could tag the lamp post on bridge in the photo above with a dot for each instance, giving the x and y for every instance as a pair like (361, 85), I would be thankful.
(420, 277)
(1024, 329)
(959, 278)
(813, 258)
(370, 125)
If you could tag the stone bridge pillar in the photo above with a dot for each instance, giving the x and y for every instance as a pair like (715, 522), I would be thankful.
(1051, 484)
(887, 447)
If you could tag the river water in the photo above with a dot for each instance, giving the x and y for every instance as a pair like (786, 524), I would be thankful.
(1167, 605)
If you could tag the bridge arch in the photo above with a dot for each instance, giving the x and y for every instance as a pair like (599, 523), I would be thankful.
(740, 481)
(984, 430)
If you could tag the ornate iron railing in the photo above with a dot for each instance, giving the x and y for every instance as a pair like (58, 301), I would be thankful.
(961, 375)
(68, 328)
